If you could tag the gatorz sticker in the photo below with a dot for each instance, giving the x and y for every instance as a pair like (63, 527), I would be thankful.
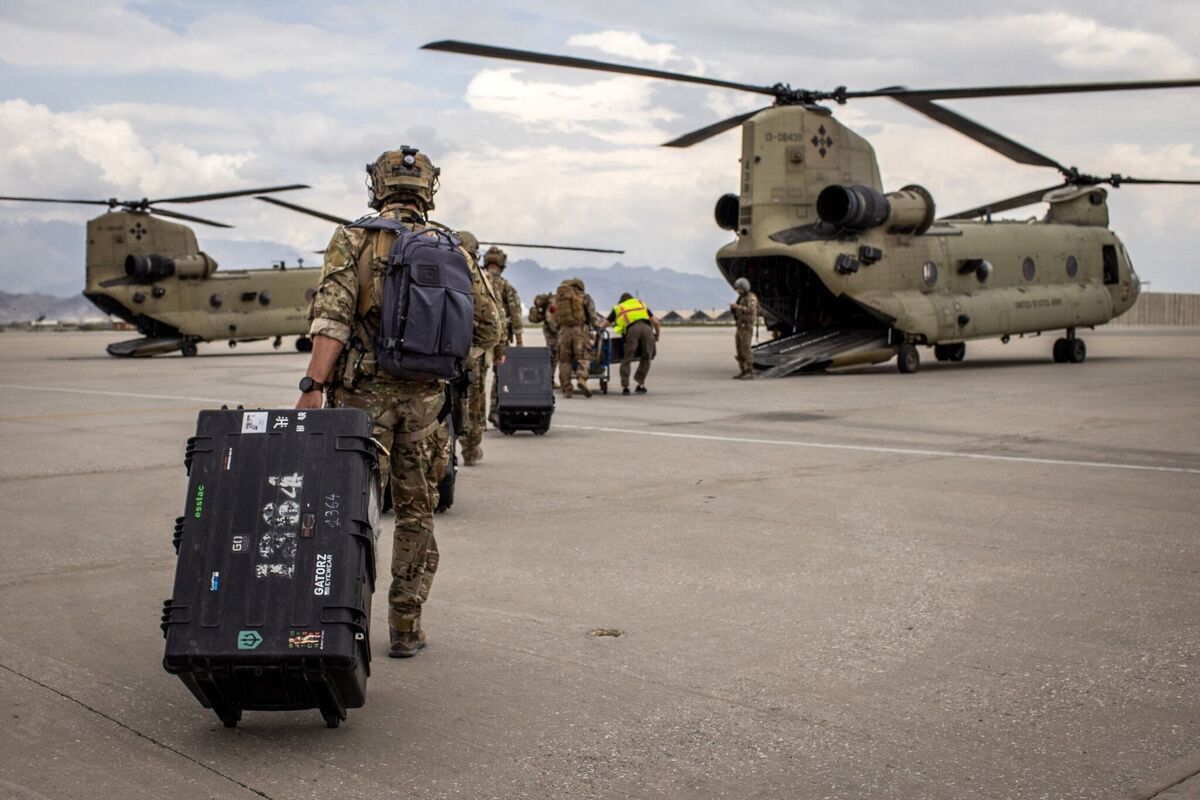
(306, 640)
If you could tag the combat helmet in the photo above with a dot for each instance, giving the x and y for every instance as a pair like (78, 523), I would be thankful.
(397, 173)
(742, 285)
(469, 242)
(495, 255)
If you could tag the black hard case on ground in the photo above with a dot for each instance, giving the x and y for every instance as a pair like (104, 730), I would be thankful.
(272, 599)
(525, 395)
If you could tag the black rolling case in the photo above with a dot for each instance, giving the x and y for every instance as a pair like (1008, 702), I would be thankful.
(272, 597)
(525, 397)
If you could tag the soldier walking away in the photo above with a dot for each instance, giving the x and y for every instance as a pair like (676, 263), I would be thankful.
(540, 312)
(632, 320)
(575, 314)
(745, 314)
(471, 436)
(347, 315)
(494, 261)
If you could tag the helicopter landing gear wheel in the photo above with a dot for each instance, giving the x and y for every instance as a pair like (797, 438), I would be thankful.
(304, 344)
(1060, 351)
(189, 348)
(1076, 351)
(908, 360)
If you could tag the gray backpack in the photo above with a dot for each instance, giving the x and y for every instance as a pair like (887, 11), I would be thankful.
(427, 312)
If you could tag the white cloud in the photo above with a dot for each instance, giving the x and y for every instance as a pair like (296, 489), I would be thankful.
(84, 154)
(616, 110)
(626, 44)
(115, 39)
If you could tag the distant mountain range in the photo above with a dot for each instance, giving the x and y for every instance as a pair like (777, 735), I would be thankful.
(661, 289)
(32, 307)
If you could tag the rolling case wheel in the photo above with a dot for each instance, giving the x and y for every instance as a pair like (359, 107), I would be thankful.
(230, 718)
(603, 387)
(332, 719)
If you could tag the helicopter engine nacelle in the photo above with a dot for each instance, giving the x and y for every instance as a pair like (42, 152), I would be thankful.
(148, 269)
(861, 208)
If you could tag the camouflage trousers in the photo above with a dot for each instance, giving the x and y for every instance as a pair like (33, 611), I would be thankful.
(742, 340)
(472, 437)
(552, 343)
(494, 399)
(404, 417)
(574, 347)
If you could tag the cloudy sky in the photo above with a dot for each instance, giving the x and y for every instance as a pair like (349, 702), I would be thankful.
(133, 99)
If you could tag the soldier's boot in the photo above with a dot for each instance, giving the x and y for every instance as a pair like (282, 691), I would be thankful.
(641, 388)
(406, 644)
(625, 390)
(584, 390)
(748, 375)
(494, 419)
(567, 392)
(472, 456)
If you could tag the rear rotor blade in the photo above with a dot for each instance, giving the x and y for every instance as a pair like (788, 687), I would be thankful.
(1122, 180)
(527, 56)
(1005, 205)
(1012, 91)
(555, 247)
(310, 211)
(689, 139)
(56, 200)
(984, 135)
(176, 215)
(197, 198)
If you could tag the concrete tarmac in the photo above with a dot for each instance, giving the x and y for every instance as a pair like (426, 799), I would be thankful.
(982, 581)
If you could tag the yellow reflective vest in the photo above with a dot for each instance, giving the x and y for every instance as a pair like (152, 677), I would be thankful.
(629, 312)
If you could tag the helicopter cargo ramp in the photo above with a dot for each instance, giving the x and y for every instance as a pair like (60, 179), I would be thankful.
(814, 351)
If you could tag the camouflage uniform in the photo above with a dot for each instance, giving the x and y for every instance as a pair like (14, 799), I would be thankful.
(575, 346)
(540, 312)
(472, 435)
(511, 301)
(404, 413)
(745, 314)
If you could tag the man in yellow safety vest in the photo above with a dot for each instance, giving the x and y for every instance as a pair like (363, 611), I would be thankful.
(632, 320)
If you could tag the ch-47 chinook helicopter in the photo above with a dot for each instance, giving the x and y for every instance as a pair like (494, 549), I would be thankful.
(152, 274)
(846, 274)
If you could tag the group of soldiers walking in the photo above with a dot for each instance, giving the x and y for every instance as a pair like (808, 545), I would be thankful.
(408, 411)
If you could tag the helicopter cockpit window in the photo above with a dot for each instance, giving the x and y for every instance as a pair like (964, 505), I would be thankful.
(930, 273)
(1029, 269)
(1072, 266)
(215, 300)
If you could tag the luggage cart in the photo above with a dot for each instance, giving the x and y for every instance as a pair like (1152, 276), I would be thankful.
(602, 356)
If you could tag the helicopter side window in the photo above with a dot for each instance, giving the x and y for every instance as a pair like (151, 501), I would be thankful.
(929, 273)
(1112, 273)
(1029, 269)
(1072, 266)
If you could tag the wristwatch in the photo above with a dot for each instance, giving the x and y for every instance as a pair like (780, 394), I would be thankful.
(307, 385)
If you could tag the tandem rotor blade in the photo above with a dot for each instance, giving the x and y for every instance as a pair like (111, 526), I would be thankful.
(980, 133)
(1120, 180)
(555, 247)
(528, 56)
(312, 212)
(1014, 91)
(198, 198)
(162, 212)
(1020, 200)
(689, 139)
(57, 200)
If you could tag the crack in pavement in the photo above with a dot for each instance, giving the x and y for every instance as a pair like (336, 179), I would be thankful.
(136, 732)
